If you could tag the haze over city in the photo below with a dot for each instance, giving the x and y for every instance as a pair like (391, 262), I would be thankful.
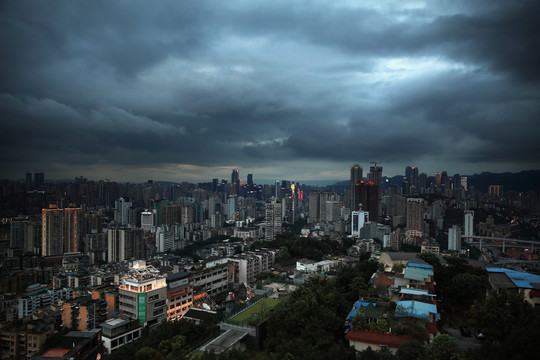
(188, 91)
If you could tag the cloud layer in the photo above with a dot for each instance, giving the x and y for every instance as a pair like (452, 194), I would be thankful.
(186, 91)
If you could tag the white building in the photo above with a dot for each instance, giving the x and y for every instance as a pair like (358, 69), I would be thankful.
(454, 238)
(148, 219)
(118, 332)
(468, 229)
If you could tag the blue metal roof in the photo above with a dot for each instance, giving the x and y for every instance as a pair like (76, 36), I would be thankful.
(520, 279)
(417, 273)
(421, 292)
(420, 265)
(355, 309)
(415, 309)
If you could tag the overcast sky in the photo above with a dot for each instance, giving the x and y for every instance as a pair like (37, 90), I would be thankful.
(300, 90)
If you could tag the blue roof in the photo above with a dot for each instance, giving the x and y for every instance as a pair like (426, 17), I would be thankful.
(355, 309)
(520, 279)
(415, 309)
(420, 265)
(417, 274)
(410, 291)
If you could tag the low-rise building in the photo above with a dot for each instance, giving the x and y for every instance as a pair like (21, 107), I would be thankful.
(119, 331)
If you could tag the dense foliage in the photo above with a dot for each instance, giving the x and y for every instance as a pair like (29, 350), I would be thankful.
(309, 323)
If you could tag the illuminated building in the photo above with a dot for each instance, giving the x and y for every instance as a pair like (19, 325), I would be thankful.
(143, 294)
(73, 237)
(179, 295)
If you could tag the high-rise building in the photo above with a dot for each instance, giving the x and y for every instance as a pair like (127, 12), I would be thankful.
(454, 238)
(415, 217)
(143, 294)
(356, 177)
(375, 175)
(148, 219)
(250, 179)
(125, 243)
(61, 230)
(121, 211)
(235, 182)
(438, 179)
(314, 209)
(39, 180)
(464, 182)
(28, 181)
(468, 227)
(72, 228)
(273, 218)
(496, 190)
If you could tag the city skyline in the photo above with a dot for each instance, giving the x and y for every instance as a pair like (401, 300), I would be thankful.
(176, 92)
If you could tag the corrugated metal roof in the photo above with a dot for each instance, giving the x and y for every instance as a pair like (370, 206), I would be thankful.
(417, 274)
(415, 292)
(520, 279)
(415, 309)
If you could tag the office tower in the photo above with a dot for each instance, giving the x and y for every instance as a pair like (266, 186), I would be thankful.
(464, 182)
(415, 218)
(143, 294)
(367, 197)
(148, 219)
(72, 228)
(231, 207)
(273, 217)
(39, 180)
(314, 209)
(422, 183)
(372, 201)
(375, 175)
(468, 227)
(28, 181)
(16, 233)
(411, 173)
(444, 178)
(215, 183)
(277, 190)
(456, 181)
(454, 238)
(250, 180)
(125, 244)
(438, 179)
(235, 182)
(52, 232)
(356, 177)
(121, 211)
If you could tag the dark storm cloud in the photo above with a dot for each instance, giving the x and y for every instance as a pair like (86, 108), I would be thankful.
(267, 84)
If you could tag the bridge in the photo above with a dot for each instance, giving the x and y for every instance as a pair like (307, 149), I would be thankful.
(531, 243)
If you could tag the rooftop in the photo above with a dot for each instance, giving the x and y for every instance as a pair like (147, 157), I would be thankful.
(520, 279)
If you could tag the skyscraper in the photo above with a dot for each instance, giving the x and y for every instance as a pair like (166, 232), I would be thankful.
(356, 177)
(72, 228)
(454, 238)
(235, 181)
(250, 179)
(39, 180)
(468, 228)
(28, 181)
(415, 217)
(52, 232)
(375, 175)
(273, 217)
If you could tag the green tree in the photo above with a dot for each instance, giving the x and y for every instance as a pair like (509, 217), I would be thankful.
(411, 350)
(500, 314)
(148, 353)
(443, 348)
(430, 258)
(359, 320)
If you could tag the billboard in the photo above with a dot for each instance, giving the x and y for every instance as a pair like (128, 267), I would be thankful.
(142, 308)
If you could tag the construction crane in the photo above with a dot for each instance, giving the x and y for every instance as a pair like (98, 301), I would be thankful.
(376, 162)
